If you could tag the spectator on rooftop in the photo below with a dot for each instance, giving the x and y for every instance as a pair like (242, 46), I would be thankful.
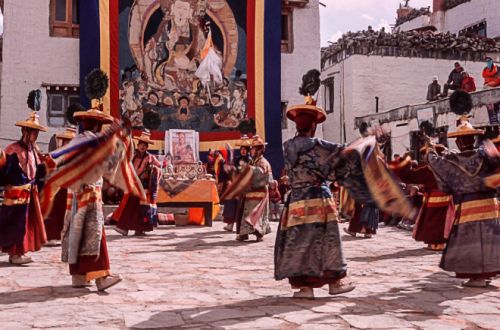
(454, 79)
(491, 74)
(468, 83)
(434, 90)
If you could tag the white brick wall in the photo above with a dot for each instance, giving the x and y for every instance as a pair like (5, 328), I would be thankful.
(473, 12)
(397, 81)
(31, 57)
(306, 55)
(415, 23)
(464, 15)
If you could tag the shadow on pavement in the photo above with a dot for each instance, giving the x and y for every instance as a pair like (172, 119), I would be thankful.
(420, 252)
(42, 294)
(190, 245)
(423, 300)
(234, 313)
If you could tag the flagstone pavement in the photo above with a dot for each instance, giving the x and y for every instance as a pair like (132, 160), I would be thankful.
(201, 278)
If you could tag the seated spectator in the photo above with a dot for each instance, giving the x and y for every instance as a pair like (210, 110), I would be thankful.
(454, 79)
(434, 90)
(491, 74)
(468, 83)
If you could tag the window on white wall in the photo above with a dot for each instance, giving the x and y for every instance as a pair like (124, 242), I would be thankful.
(286, 30)
(64, 18)
(58, 101)
(284, 121)
(479, 29)
(329, 95)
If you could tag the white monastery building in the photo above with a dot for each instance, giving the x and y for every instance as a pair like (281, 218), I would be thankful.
(371, 73)
(39, 52)
(300, 47)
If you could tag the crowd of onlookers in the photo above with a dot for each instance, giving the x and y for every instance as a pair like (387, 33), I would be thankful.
(413, 43)
(459, 79)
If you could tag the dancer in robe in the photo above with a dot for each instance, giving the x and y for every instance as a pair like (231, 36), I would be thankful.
(252, 185)
(131, 214)
(308, 250)
(81, 167)
(364, 220)
(232, 207)
(54, 222)
(21, 222)
(473, 248)
(254, 219)
(437, 206)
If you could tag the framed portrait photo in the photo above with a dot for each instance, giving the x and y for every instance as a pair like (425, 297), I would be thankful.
(183, 146)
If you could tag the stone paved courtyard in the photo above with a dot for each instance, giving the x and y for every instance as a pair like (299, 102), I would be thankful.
(201, 278)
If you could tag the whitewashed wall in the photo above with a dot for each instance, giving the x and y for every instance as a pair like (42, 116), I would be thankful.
(397, 81)
(306, 55)
(415, 23)
(473, 12)
(31, 57)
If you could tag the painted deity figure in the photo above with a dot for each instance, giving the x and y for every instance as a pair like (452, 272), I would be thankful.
(182, 40)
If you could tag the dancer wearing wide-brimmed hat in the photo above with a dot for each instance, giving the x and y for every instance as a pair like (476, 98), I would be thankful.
(231, 207)
(81, 166)
(308, 250)
(251, 187)
(21, 221)
(473, 248)
(54, 222)
(132, 214)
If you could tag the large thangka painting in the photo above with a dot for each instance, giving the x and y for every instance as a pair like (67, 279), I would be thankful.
(183, 65)
(212, 66)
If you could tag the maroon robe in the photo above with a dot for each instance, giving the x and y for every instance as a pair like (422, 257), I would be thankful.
(54, 222)
(436, 208)
(131, 214)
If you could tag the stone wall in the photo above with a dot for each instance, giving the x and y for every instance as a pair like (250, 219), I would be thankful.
(31, 57)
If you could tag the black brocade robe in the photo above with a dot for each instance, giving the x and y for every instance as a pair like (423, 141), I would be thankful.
(473, 247)
(308, 242)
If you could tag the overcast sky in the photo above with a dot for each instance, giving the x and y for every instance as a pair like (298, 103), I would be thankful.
(341, 16)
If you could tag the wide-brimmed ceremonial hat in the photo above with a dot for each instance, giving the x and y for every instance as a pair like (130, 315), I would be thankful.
(145, 137)
(32, 122)
(258, 142)
(311, 82)
(96, 85)
(95, 114)
(318, 113)
(68, 134)
(245, 141)
(438, 147)
(465, 129)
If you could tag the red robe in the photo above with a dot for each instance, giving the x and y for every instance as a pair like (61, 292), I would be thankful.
(131, 214)
(431, 226)
(21, 221)
(54, 222)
